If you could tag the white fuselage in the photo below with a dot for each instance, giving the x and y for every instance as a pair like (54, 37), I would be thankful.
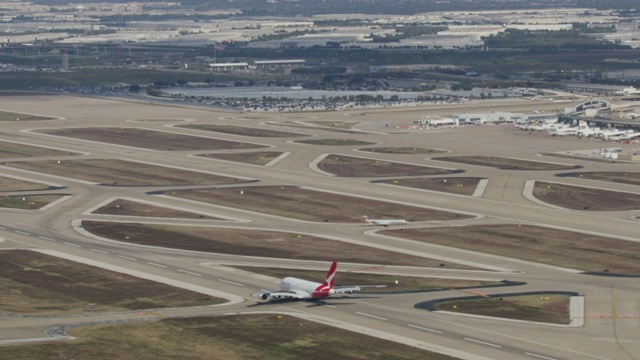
(308, 287)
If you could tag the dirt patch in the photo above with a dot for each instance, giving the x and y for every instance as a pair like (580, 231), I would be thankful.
(540, 307)
(241, 130)
(27, 202)
(149, 139)
(394, 283)
(590, 253)
(505, 163)
(631, 178)
(583, 198)
(11, 150)
(402, 150)
(237, 337)
(256, 158)
(132, 208)
(123, 173)
(311, 205)
(273, 244)
(453, 185)
(34, 283)
(341, 165)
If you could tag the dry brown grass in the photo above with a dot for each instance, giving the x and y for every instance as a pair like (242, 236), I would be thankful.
(582, 198)
(241, 130)
(149, 139)
(261, 243)
(256, 158)
(12, 150)
(27, 202)
(123, 173)
(562, 248)
(341, 165)
(310, 205)
(268, 337)
(34, 283)
(133, 208)
(505, 163)
(453, 185)
(11, 184)
(549, 308)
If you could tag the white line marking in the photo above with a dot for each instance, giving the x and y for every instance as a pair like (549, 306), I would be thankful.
(424, 328)
(331, 306)
(99, 251)
(21, 232)
(128, 258)
(189, 272)
(70, 244)
(540, 356)
(3, 228)
(45, 238)
(372, 316)
(158, 265)
(230, 282)
(482, 342)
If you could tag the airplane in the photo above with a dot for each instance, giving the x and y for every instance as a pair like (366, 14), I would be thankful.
(299, 289)
(384, 222)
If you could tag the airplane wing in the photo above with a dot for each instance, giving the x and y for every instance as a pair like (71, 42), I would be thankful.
(355, 288)
(282, 294)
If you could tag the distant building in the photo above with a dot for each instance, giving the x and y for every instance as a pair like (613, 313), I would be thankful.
(229, 66)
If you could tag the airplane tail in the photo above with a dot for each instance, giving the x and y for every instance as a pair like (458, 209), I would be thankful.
(365, 218)
(331, 275)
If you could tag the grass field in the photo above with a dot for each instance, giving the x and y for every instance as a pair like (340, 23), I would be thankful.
(311, 205)
(255, 158)
(402, 150)
(123, 173)
(583, 198)
(133, 208)
(589, 253)
(27, 202)
(453, 185)
(241, 130)
(150, 139)
(255, 243)
(11, 184)
(341, 165)
(10, 116)
(549, 308)
(505, 163)
(237, 337)
(34, 283)
(334, 142)
(12, 150)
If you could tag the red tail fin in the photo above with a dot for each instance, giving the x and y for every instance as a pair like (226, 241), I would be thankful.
(328, 282)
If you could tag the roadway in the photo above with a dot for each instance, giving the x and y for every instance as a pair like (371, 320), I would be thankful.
(394, 316)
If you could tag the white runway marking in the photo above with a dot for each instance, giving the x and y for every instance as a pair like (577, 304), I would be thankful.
(21, 232)
(424, 328)
(99, 251)
(230, 282)
(158, 265)
(539, 356)
(189, 272)
(128, 258)
(371, 316)
(70, 244)
(482, 342)
(45, 238)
